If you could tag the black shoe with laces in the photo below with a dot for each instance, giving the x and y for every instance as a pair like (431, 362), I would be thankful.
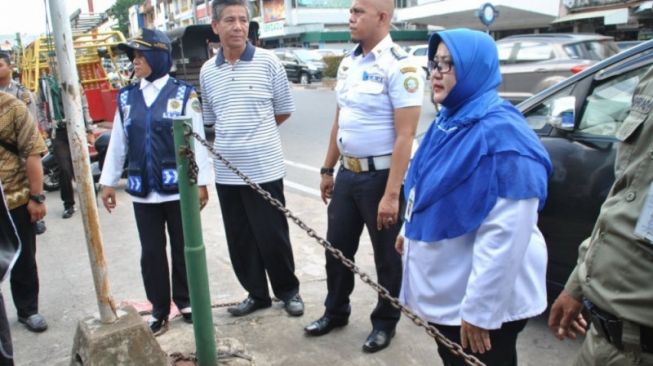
(294, 306)
(68, 212)
(157, 326)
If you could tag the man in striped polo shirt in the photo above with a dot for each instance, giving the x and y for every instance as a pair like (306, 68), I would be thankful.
(246, 97)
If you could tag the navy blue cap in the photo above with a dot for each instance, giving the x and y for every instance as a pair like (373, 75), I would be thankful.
(148, 39)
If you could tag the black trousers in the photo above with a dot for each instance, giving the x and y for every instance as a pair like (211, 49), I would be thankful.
(258, 240)
(24, 275)
(503, 341)
(151, 221)
(66, 176)
(354, 205)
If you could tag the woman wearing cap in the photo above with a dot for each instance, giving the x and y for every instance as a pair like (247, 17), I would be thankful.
(474, 259)
(142, 134)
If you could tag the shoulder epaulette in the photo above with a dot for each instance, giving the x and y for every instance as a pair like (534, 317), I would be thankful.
(398, 53)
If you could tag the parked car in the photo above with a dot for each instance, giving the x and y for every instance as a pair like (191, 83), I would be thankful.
(623, 45)
(576, 121)
(419, 53)
(532, 62)
(330, 52)
(302, 65)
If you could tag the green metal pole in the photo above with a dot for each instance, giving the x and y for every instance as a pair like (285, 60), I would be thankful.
(198, 278)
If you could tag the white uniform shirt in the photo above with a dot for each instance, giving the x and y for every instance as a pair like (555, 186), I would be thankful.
(117, 150)
(369, 89)
(493, 275)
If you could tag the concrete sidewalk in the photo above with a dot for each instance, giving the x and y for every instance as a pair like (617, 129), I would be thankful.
(269, 336)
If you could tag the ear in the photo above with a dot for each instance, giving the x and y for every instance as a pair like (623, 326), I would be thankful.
(384, 17)
(214, 26)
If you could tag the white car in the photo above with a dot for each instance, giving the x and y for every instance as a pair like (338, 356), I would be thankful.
(420, 54)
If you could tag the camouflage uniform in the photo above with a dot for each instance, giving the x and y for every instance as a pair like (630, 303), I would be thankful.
(614, 274)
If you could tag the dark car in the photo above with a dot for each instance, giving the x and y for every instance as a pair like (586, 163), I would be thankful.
(576, 121)
(531, 63)
(302, 65)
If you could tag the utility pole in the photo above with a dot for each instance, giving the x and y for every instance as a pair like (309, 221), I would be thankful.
(194, 10)
(72, 102)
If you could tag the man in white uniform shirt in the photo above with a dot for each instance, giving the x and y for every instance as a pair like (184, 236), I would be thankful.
(380, 94)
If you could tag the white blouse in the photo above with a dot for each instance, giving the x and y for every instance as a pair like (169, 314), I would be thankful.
(493, 275)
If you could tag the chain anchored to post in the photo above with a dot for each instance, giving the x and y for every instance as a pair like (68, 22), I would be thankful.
(453, 347)
(189, 154)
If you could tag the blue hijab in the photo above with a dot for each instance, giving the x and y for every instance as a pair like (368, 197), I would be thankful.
(478, 148)
(160, 62)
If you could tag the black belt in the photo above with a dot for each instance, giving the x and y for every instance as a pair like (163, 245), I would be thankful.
(611, 328)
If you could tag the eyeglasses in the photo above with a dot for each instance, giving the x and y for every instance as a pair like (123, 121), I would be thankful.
(443, 66)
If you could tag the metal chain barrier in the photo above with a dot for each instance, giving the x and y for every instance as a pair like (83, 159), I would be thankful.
(455, 348)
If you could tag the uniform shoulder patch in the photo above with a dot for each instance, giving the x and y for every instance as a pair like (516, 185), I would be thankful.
(408, 69)
(195, 104)
(398, 53)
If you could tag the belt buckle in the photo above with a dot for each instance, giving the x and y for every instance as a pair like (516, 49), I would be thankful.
(353, 164)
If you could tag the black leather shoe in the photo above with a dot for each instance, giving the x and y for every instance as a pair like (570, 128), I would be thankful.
(295, 306)
(188, 317)
(377, 340)
(68, 212)
(248, 306)
(324, 325)
(157, 326)
(34, 323)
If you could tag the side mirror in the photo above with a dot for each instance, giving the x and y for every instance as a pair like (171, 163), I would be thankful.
(563, 113)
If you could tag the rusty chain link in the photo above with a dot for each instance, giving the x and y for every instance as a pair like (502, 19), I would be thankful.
(193, 169)
(455, 348)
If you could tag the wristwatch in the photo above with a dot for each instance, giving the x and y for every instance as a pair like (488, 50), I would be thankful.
(38, 198)
(327, 171)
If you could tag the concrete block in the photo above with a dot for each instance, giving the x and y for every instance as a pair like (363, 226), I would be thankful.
(128, 341)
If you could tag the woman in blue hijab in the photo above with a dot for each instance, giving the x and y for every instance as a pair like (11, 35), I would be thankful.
(474, 259)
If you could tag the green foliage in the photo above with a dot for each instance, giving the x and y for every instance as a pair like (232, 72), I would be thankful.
(332, 63)
(120, 11)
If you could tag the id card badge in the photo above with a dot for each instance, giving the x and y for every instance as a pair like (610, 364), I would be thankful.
(644, 227)
(409, 205)
(174, 108)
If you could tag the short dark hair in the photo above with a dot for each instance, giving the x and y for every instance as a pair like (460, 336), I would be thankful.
(6, 57)
(217, 6)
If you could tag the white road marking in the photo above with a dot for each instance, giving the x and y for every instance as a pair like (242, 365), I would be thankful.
(302, 188)
(302, 166)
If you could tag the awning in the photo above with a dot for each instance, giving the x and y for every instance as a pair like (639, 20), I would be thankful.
(513, 14)
(613, 16)
(646, 6)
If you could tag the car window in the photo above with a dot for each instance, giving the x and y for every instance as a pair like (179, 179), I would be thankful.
(505, 49)
(591, 50)
(538, 117)
(609, 103)
(421, 51)
(533, 51)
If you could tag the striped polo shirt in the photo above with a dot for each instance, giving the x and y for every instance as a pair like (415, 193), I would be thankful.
(240, 100)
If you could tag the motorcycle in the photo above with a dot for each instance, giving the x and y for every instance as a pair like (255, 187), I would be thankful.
(52, 170)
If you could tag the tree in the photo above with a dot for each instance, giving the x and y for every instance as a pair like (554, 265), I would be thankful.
(120, 11)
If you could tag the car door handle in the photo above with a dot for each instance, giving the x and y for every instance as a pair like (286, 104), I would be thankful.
(540, 70)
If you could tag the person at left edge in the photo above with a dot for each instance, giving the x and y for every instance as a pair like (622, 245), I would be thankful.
(13, 87)
(142, 134)
(9, 250)
(21, 172)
